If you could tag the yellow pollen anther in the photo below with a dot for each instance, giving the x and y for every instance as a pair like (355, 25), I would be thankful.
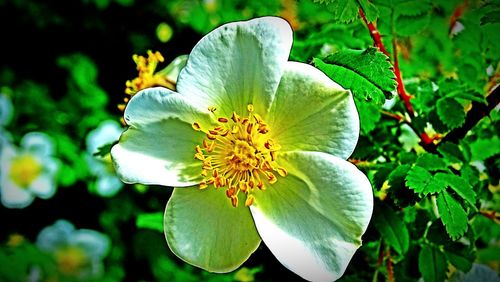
(196, 126)
(281, 171)
(198, 149)
(212, 109)
(249, 201)
(236, 154)
(235, 117)
(234, 201)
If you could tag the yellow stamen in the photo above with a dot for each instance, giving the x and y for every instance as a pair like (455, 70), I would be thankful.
(239, 155)
(196, 126)
(249, 201)
(147, 77)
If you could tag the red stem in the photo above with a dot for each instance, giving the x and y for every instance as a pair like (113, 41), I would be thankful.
(457, 13)
(390, 267)
(405, 97)
(377, 39)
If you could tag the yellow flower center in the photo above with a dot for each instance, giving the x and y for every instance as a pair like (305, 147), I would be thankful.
(71, 260)
(239, 155)
(24, 169)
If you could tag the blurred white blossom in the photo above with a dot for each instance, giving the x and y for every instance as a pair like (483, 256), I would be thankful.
(27, 172)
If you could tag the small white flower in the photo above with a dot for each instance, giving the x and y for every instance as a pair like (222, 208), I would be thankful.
(28, 171)
(107, 184)
(77, 253)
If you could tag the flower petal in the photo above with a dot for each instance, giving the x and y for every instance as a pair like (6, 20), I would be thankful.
(204, 229)
(108, 131)
(159, 145)
(237, 64)
(108, 185)
(313, 113)
(54, 236)
(38, 142)
(312, 219)
(95, 244)
(13, 196)
(43, 186)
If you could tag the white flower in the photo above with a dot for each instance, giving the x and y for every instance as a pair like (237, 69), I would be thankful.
(78, 253)
(107, 184)
(27, 172)
(256, 147)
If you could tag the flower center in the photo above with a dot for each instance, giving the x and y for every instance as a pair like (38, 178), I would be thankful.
(239, 155)
(71, 260)
(24, 169)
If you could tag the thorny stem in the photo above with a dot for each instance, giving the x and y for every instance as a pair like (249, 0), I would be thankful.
(425, 140)
(477, 112)
(377, 39)
(405, 97)
(375, 34)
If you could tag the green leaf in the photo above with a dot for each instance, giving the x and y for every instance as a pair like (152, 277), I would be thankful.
(491, 17)
(451, 152)
(471, 174)
(370, 10)
(423, 182)
(152, 221)
(436, 233)
(461, 186)
(432, 264)
(431, 162)
(402, 196)
(397, 176)
(366, 73)
(460, 256)
(369, 116)
(452, 214)
(410, 25)
(482, 149)
(344, 11)
(470, 95)
(450, 112)
(411, 7)
(392, 229)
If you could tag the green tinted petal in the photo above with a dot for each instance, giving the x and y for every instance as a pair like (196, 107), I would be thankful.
(312, 113)
(237, 64)
(204, 229)
(159, 145)
(312, 219)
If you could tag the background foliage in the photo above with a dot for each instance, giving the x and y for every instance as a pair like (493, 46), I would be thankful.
(423, 74)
